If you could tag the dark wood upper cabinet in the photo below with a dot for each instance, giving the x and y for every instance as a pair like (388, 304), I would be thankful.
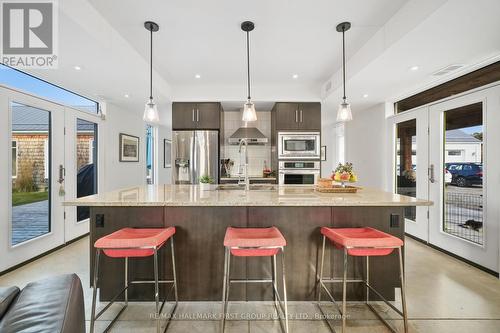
(298, 116)
(196, 115)
(287, 116)
(208, 115)
(310, 116)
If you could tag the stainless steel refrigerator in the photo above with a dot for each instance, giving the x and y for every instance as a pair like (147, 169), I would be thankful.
(195, 154)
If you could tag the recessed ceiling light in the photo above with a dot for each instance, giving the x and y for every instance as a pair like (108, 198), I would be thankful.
(197, 76)
(365, 95)
(126, 95)
(414, 68)
(295, 76)
(77, 68)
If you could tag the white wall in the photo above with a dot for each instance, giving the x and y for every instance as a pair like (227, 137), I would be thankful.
(118, 174)
(366, 146)
(164, 175)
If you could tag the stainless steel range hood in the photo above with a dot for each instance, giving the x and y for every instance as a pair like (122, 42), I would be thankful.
(251, 134)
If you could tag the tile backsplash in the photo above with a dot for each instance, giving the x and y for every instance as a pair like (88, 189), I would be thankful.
(257, 154)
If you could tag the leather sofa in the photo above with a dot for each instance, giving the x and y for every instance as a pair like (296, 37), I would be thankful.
(46, 306)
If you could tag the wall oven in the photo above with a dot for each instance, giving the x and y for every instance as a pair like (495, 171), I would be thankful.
(299, 145)
(299, 172)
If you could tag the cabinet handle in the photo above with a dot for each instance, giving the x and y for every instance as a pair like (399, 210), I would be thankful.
(197, 115)
(193, 114)
(296, 116)
(301, 116)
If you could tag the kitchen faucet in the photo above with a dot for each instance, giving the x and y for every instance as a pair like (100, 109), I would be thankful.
(247, 180)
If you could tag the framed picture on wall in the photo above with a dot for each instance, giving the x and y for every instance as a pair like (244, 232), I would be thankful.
(167, 153)
(129, 148)
(323, 153)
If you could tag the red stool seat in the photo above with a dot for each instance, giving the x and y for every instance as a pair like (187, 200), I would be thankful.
(131, 242)
(256, 242)
(362, 241)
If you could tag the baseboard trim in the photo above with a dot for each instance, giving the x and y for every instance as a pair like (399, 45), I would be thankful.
(8, 270)
(484, 269)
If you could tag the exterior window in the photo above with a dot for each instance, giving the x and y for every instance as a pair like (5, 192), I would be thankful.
(14, 159)
(16, 79)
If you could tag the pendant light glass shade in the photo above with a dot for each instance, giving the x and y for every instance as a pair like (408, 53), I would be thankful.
(249, 113)
(151, 115)
(344, 112)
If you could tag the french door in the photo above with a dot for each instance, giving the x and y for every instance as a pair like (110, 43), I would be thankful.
(448, 153)
(465, 175)
(52, 156)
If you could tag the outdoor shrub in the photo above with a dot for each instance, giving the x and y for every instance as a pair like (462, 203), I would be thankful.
(25, 181)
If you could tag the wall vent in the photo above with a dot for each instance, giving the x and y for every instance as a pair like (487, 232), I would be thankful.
(447, 69)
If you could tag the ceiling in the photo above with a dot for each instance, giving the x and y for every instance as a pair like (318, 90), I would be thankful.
(204, 37)
(106, 38)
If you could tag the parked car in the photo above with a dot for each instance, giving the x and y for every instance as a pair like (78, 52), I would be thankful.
(465, 174)
(447, 176)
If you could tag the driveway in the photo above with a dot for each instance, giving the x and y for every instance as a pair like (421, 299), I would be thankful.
(29, 221)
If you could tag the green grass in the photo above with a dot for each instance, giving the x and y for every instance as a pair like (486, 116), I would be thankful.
(23, 198)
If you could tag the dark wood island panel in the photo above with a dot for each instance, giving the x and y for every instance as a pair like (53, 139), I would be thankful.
(200, 252)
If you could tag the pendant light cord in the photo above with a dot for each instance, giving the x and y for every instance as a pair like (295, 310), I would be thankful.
(151, 65)
(343, 60)
(248, 64)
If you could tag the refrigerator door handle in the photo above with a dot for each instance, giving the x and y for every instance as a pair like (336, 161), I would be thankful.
(192, 114)
(197, 115)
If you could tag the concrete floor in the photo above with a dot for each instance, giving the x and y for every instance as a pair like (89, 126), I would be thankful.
(444, 295)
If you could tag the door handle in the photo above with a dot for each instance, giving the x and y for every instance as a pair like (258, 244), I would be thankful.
(430, 172)
(296, 116)
(62, 172)
(301, 116)
(197, 115)
(192, 113)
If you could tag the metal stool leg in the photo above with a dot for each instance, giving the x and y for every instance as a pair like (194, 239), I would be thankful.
(224, 287)
(275, 283)
(284, 289)
(367, 279)
(173, 270)
(126, 281)
(320, 279)
(403, 291)
(157, 292)
(344, 293)
(94, 292)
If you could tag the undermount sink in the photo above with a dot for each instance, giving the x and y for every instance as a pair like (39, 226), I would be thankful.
(253, 187)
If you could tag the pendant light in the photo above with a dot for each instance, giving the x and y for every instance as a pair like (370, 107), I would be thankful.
(151, 115)
(249, 113)
(344, 112)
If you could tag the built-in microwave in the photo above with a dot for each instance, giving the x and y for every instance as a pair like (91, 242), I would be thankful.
(299, 145)
(299, 172)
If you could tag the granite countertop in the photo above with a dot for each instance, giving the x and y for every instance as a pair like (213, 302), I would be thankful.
(249, 177)
(192, 195)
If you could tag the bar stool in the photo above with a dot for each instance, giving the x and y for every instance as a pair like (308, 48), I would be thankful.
(365, 242)
(255, 242)
(134, 243)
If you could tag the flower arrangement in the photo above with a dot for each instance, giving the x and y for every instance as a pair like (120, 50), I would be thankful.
(344, 173)
(206, 182)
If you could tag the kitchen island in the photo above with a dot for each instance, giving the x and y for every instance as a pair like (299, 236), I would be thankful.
(202, 216)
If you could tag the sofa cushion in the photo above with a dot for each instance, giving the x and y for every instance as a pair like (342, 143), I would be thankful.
(50, 305)
(7, 295)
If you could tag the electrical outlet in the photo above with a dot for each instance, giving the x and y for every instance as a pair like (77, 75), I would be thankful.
(99, 220)
(394, 221)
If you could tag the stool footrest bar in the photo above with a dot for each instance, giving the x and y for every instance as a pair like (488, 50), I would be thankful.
(250, 281)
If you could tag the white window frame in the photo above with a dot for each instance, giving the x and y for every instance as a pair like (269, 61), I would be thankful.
(46, 158)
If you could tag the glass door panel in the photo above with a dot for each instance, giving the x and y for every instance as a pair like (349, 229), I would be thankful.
(462, 194)
(86, 164)
(31, 178)
(410, 167)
